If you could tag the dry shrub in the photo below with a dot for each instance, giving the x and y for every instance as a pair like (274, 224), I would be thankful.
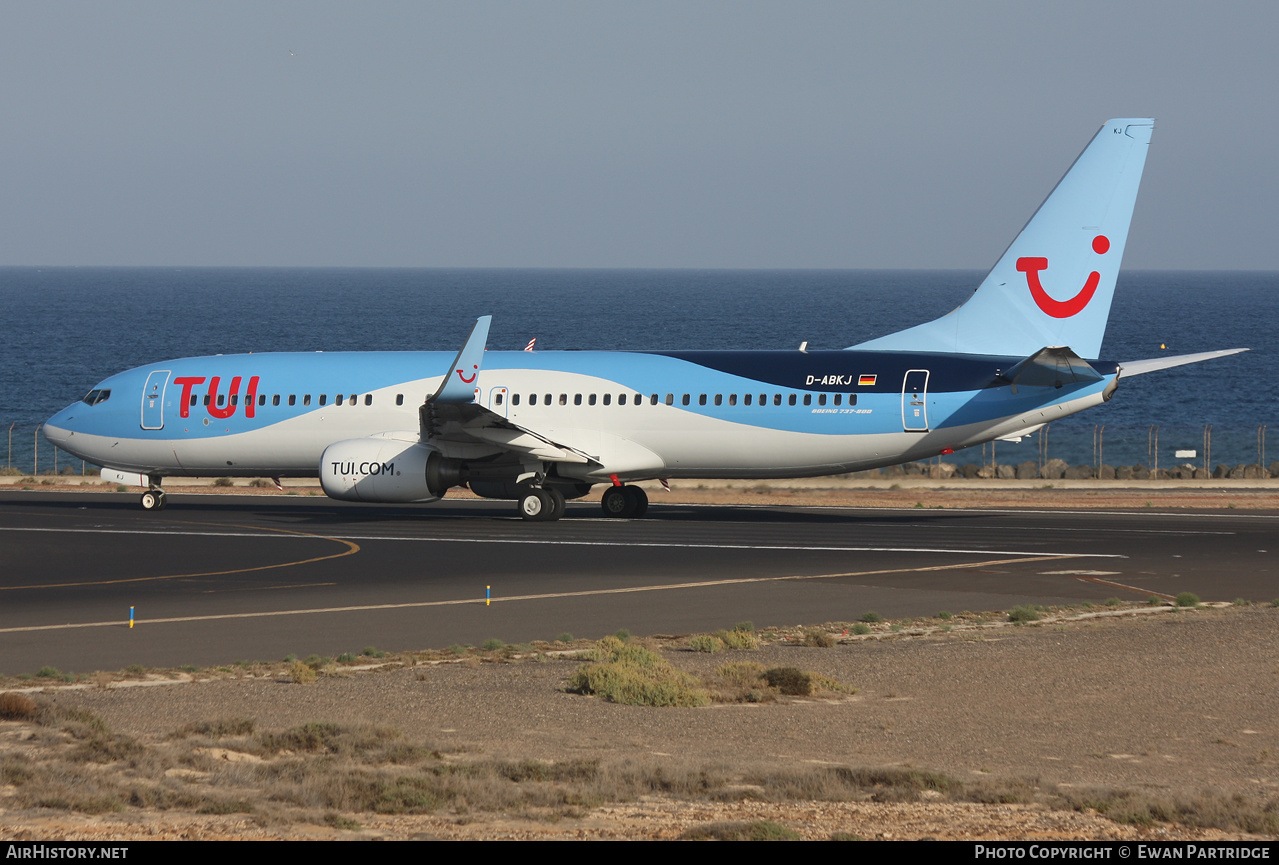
(738, 638)
(218, 729)
(791, 681)
(635, 676)
(763, 830)
(705, 643)
(818, 639)
(17, 707)
(301, 673)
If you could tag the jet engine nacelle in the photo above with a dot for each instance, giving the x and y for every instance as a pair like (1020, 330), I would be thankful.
(386, 470)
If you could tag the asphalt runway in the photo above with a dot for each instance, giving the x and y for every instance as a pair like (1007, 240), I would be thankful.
(218, 578)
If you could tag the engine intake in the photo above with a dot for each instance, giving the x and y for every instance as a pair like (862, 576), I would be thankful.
(387, 470)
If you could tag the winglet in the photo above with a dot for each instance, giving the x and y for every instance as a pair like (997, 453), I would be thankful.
(463, 378)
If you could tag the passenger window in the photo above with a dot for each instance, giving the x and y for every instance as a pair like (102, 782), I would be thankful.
(194, 399)
(777, 399)
(221, 399)
(746, 400)
(719, 399)
(399, 399)
(498, 399)
(368, 399)
(275, 400)
(652, 400)
(337, 400)
(206, 399)
(590, 400)
(732, 399)
(355, 399)
(821, 399)
(293, 399)
(763, 399)
(306, 399)
(621, 399)
(685, 400)
(532, 399)
(515, 399)
(839, 398)
(701, 400)
(808, 399)
(670, 399)
(852, 399)
(262, 399)
(323, 398)
(547, 401)
(791, 399)
(235, 399)
(608, 397)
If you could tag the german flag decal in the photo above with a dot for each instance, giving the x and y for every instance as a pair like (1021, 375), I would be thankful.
(865, 380)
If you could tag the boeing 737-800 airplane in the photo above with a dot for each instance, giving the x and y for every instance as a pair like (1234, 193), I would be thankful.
(540, 427)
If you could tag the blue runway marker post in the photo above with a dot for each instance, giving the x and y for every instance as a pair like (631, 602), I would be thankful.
(130, 617)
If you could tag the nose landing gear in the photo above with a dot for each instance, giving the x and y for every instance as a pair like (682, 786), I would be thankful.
(153, 499)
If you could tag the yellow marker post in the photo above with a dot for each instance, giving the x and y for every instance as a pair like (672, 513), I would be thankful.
(130, 618)
(488, 594)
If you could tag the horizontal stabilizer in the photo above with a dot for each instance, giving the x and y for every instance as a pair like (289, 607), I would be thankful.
(1139, 367)
(1051, 366)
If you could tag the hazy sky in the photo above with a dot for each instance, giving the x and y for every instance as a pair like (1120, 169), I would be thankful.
(644, 134)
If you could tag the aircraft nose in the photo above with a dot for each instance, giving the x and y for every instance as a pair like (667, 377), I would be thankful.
(57, 429)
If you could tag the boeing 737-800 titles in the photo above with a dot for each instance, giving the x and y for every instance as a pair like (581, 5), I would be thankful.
(540, 427)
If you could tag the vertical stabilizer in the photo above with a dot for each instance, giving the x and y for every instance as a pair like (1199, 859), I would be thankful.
(1054, 284)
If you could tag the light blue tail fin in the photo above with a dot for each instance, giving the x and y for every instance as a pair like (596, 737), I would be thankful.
(1053, 285)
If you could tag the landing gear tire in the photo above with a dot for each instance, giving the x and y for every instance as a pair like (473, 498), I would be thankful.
(541, 505)
(639, 500)
(557, 503)
(618, 503)
(153, 500)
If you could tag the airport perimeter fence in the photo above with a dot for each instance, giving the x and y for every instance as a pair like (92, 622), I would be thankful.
(1073, 451)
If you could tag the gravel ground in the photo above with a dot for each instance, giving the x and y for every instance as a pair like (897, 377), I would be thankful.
(1172, 702)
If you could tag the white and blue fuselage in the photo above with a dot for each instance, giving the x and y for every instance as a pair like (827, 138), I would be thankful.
(636, 415)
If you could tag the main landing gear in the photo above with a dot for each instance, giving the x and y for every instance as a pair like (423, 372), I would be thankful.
(542, 505)
(624, 502)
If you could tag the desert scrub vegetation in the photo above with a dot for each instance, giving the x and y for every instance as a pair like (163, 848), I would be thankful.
(334, 773)
(633, 675)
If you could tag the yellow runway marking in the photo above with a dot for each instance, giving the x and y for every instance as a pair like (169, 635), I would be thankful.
(352, 548)
(1115, 585)
(541, 597)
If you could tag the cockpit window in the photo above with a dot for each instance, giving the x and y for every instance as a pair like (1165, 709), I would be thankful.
(96, 396)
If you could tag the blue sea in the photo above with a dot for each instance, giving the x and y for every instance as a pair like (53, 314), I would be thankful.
(64, 329)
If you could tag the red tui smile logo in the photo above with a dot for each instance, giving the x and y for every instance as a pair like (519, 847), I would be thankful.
(1062, 308)
(473, 375)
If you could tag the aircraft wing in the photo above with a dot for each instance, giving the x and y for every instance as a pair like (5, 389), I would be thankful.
(452, 415)
(1140, 367)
